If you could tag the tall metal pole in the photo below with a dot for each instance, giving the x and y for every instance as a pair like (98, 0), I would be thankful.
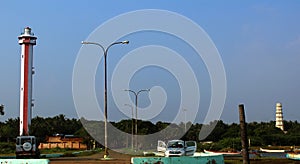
(185, 119)
(106, 154)
(136, 116)
(1, 109)
(131, 124)
(105, 88)
(136, 122)
(244, 137)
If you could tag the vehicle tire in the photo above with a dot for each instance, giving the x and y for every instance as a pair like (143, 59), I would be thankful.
(37, 156)
(27, 146)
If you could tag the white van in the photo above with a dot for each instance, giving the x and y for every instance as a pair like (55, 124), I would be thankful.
(176, 148)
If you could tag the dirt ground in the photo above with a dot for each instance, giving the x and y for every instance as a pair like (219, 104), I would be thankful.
(117, 158)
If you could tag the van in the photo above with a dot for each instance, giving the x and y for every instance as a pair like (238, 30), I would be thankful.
(177, 148)
(27, 147)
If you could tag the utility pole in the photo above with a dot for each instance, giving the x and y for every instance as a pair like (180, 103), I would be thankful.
(244, 138)
(1, 109)
(131, 124)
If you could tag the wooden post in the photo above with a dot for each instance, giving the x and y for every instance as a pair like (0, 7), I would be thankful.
(244, 138)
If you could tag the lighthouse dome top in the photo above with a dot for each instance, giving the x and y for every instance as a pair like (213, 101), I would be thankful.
(27, 32)
(278, 104)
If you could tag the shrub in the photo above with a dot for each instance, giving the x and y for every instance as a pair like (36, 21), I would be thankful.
(7, 147)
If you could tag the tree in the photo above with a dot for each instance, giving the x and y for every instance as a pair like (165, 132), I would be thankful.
(233, 131)
(10, 129)
(219, 129)
(146, 127)
(40, 128)
(161, 125)
(193, 133)
(87, 139)
(230, 144)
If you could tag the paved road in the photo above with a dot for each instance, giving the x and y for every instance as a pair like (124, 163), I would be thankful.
(95, 158)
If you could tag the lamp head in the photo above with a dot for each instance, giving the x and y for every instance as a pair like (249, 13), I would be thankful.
(125, 42)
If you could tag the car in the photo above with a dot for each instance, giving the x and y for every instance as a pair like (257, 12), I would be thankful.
(177, 148)
(27, 147)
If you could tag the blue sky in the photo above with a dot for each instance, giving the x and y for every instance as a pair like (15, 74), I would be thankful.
(258, 41)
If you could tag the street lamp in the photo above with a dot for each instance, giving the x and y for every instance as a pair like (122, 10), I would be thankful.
(131, 124)
(105, 87)
(136, 116)
(185, 119)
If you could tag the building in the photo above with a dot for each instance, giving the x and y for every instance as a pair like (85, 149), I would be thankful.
(63, 141)
(279, 116)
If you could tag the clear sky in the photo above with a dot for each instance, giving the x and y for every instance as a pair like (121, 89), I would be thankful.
(258, 42)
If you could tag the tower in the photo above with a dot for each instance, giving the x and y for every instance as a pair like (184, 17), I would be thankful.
(279, 116)
(27, 40)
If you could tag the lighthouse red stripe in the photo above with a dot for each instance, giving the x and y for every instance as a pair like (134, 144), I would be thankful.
(25, 96)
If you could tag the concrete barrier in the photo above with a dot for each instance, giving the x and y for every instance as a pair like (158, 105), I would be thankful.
(209, 159)
(24, 161)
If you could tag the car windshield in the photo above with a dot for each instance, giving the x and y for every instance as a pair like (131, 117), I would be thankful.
(175, 144)
(22, 140)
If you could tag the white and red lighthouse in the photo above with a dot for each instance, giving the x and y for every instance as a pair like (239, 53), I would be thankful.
(27, 40)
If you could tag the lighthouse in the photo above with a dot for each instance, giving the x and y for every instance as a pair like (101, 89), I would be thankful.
(27, 40)
(279, 117)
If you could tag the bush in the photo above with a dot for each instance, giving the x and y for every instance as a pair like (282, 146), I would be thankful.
(7, 147)
(69, 154)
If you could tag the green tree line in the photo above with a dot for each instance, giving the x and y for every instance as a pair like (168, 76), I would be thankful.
(223, 135)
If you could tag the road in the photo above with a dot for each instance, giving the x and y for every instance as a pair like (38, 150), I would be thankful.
(117, 158)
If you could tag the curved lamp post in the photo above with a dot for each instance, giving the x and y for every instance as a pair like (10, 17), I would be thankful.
(105, 87)
(185, 110)
(131, 124)
(136, 116)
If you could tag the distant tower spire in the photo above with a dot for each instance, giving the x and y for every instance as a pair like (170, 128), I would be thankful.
(279, 116)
